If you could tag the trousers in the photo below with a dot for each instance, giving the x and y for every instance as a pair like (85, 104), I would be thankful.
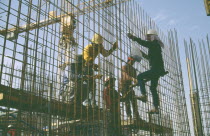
(153, 76)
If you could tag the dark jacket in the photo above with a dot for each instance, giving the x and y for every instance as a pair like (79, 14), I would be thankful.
(154, 54)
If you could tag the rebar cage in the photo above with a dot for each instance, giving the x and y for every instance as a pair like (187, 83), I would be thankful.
(197, 58)
(39, 42)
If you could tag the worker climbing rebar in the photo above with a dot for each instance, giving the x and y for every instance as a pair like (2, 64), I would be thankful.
(90, 52)
(154, 45)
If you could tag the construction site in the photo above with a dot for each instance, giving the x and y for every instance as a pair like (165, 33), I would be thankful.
(63, 67)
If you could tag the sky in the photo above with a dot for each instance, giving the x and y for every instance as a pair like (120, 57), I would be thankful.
(189, 18)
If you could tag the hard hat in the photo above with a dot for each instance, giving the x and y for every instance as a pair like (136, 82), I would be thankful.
(9, 126)
(68, 22)
(109, 78)
(97, 39)
(137, 58)
(152, 32)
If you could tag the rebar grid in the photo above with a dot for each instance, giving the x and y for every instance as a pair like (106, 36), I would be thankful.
(34, 49)
(198, 54)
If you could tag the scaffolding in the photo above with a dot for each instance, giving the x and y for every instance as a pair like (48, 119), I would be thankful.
(40, 45)
(198, 54)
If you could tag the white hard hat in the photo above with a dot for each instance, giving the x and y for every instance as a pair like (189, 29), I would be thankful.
(97, 39)
(108, 78)
(152, 32)
(9, 126)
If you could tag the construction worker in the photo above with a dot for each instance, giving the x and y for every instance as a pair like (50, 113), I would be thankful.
(66, 42)
(68, 25)
(111, 99)
(90, 52)
(11, 130)
(76, 88)
(126, 84)
(154, 45)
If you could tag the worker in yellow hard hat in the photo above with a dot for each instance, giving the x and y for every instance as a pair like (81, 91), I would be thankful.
(90, 52)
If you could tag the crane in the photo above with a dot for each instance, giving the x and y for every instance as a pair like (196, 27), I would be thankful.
(12, 33)
(67, 22)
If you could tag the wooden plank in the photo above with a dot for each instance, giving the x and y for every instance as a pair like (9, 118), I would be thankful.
(146, 126)
(27, 101)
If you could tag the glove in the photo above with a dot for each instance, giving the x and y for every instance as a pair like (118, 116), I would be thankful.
(95, 67)
(130, 36)
(115, 45)
(131, 86)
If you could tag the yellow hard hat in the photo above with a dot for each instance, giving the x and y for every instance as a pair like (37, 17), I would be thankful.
(152, 32)
(97, 39)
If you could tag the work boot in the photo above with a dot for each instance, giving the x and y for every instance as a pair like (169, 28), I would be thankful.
(108, 1)
(123, 98)
(138, 121)
(154, 111)
(142, 98)
(129, 119)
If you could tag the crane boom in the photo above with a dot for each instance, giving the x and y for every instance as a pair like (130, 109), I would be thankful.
(13, 32)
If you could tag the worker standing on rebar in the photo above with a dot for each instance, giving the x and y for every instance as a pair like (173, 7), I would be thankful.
(126, 84)
(112, 102)
(71, 89)
(66, 42)
(90, 52)
(155, 58)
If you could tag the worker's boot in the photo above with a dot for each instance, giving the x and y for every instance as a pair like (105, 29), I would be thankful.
(136, 118)
(108, 1)
(123, 98)
(142, 98)
(154, 111)
(129, 119)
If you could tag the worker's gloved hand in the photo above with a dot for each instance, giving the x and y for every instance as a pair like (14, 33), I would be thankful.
(131, 86)
(130, 36)
(95, 67)
(115, 45)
